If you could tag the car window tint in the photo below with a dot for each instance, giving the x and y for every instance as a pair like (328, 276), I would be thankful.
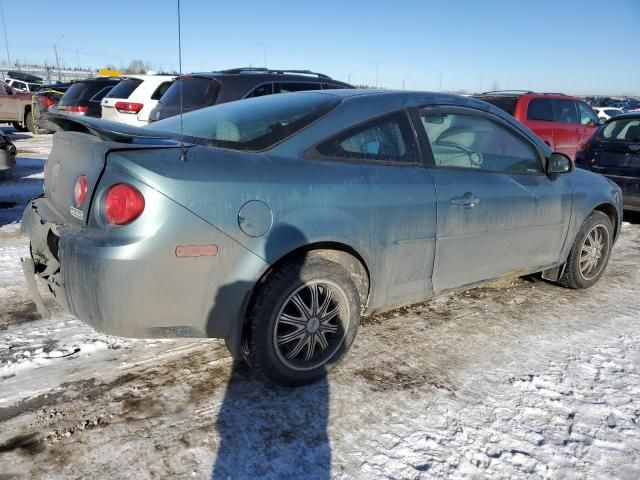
(124, 89)
(564, 111)
(503, 102)
(285, 87)
(260, 90)
(540, 109)
(587, 115)
(161, 90)
(101, 94)
(469, 141)
(625, 130)
(387, 139)
(197, 92)
(252, 124)
(332, 86)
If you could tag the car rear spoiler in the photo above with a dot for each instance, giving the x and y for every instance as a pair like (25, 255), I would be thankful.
(110, 131)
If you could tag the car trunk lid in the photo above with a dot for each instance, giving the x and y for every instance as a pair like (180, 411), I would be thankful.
(81, 149)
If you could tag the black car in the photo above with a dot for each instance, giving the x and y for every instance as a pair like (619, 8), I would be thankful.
(83, 97)
(201, 90)
(45, 100)
(614, 151)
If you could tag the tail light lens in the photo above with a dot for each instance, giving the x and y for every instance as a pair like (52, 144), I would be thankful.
(123, 204)
(128, 107)
(47, 102)
(77, 110)
(80, 190)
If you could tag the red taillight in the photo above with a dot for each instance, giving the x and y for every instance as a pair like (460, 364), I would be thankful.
(47, 102)
(80, 190)
(128, 107)
(78, 110)
(123, 204)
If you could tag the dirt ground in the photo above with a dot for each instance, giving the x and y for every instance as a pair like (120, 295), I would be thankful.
(518, 380)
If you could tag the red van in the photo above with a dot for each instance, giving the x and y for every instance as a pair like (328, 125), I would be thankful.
(563, 122)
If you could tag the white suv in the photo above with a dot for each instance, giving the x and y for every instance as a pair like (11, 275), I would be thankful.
(134, 97)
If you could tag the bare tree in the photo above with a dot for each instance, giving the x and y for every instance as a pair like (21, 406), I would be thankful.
(136, 66)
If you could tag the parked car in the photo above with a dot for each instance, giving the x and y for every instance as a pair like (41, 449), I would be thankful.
(44, 101)
(201, 90)
(23, 82)
(15, 108)
(84, 97)
(614, 151)
(605, 113)
(276, 221)
(561, 121)
(132, 100)
(8, 153)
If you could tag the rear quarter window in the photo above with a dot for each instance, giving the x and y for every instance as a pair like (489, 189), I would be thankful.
(508, 104)
(161, 90)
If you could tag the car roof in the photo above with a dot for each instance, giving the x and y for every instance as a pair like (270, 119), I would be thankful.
(264, 74)
(625, 116)
(141, 76)
(526, 93)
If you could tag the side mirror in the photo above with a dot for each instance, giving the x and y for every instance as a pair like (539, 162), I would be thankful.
(601, 120)
(559, 163)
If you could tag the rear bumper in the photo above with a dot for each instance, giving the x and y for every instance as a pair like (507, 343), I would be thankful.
(138, 286)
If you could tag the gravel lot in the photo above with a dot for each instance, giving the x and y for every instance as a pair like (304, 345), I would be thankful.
(518, 379)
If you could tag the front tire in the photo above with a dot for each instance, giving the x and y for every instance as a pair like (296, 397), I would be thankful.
(302, 322)
(590, 252)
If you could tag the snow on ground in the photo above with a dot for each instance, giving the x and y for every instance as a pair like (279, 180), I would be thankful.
(518, 380)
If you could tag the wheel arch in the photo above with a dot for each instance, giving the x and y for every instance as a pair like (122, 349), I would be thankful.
(610, 211)
(337, 252)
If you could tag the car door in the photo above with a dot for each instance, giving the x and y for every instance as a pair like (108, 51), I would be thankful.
(566, 128)
(588, 122)
(391, 196)
(8, 104)
(539, 118)
(497, 212)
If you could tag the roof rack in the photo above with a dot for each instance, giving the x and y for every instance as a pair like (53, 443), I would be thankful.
(235, 71)
(505, 92)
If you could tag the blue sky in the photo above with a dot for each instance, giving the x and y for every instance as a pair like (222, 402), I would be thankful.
(573, 46)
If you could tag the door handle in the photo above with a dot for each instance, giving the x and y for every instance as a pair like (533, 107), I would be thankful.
(468, 200)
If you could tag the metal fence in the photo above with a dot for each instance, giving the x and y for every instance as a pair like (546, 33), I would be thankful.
(48, 74)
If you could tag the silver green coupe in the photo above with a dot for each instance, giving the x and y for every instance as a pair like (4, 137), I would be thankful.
(277, 222)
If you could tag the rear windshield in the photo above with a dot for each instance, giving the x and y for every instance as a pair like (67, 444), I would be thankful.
(508, 104)
(82, 91)
(252, 124)
(196, 92)
(124, 88)
(613, 113)
(624, 130)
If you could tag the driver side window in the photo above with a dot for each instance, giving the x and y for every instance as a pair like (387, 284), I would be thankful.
(473, 142)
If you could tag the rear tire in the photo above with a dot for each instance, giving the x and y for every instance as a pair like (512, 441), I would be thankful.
(28, 119)
(590, 253)
(302, 322)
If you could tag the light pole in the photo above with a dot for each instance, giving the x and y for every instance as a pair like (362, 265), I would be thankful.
(6, 42)
(264, 51)
(349, 77)
(440, 82)
(55, 50)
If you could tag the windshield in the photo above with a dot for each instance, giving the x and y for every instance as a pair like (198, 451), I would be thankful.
(252, 124)
(197, 92)
(625, 130)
